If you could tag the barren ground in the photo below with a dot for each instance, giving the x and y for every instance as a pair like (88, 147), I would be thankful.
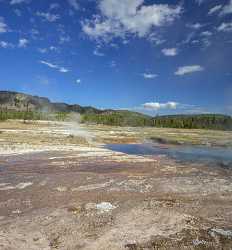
(60, 189)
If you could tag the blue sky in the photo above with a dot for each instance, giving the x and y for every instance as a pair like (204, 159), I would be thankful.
(154, 56)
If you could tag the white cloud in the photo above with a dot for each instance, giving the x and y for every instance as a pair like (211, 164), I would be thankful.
(74, 4)
(195, 26)
(34, 33)
(206, 33)
(48, 16)
(149, 76)
(6, 45)
(78, 81)
(199, 1)
(54, 66)
(122, 17)
(12, 2)
(3, 26)
(54, 6)
(227, 9)
(170, 51)
(206, 42)
(188, 70)
(156, 39)
(45, 50)
(53, 48)
(226, 27)
(63, 70)
(23, 43)
(189, 38)
(96, 52)
(215, 9)
(158, 105)
(50, 65)
(64, 39)
(63, 36)
(194, 38)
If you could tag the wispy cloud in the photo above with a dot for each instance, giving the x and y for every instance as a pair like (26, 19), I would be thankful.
(54, 66)
(113, 64)
(3, 25)
(18, 12)
(45, 50)
(54, 6)
(48, 16)
(195, 26)
(120, 18)
(227, 9)
(96, 52)
(13, 2)
(78, 81)
(225, 27)
(215, 9)
(189, 38)
(188, 70)
(156, 39)
(50, 65)
(74, 4)
(64, 39)
(206, 33)
(199, 1)
(221, 10)
(149, 76)
(34, 34)
(170, 51)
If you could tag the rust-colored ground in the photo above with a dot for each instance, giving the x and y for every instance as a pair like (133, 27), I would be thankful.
(60, 190)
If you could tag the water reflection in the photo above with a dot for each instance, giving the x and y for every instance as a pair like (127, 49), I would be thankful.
(199, 154)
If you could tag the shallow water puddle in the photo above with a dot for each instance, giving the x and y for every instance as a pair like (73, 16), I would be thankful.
(199, 154)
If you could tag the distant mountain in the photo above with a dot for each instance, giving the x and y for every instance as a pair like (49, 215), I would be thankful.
(15, 101)
(24, 102)
(14, 105)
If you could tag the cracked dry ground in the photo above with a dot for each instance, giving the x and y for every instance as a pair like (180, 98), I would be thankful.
(96, 199)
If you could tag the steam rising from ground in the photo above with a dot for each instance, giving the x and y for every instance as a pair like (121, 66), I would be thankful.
(73, 127)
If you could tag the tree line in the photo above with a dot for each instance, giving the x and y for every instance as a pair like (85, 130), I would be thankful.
(128, 118)
(208, 121)
(31, 115)
(118, 119)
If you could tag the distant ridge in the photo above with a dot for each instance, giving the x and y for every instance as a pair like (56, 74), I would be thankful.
(20, 102)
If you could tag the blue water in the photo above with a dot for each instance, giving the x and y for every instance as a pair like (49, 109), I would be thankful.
(198, 154)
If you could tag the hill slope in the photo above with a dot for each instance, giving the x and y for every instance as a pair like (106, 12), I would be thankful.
(24, 102)
(23, 106)
(14, 102)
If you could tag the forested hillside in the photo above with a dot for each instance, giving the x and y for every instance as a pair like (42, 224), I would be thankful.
(15, 105)
(119, 118)
(207, 121)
